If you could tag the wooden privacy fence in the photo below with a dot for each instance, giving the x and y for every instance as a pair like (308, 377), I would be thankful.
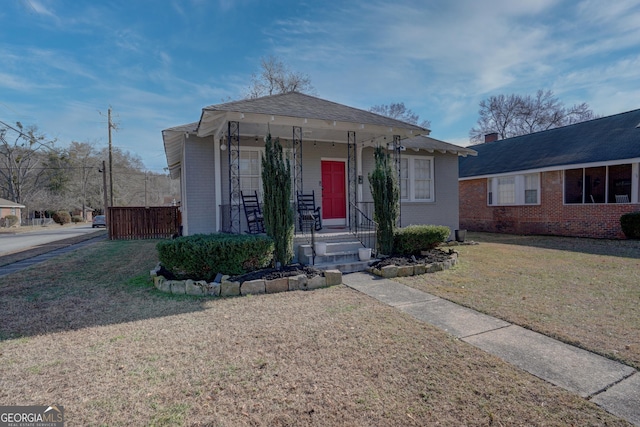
(131, 223)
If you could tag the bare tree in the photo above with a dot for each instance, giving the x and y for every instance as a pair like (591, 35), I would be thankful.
(398, 111)
(23, 154)
(275, 77)
(514, 115)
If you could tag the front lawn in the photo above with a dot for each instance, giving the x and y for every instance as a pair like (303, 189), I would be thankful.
(88, 331)
(582, 291)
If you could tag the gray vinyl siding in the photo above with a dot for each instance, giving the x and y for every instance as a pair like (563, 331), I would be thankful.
(199, 210)
(444, 209)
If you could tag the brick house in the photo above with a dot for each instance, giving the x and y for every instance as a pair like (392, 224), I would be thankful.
(576, 180)
(7, 207)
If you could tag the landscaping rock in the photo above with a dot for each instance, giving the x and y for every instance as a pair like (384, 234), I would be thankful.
(213, 289)
(157, 280)
(405, 270)
(177, 287)
(277, 285)
(389, 271)
(193, 288)
(252, 287)
(229, 289)
(333, 277)
(316, 282)
(419, 269)
(298, 283)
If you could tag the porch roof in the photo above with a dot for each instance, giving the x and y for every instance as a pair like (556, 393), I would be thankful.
(432, 145)
(319, 119)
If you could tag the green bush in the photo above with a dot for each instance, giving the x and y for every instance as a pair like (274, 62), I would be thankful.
(10, 220)
(202, 256)
(76, 219)
(61, 217)
(630, 223)
(415, 238)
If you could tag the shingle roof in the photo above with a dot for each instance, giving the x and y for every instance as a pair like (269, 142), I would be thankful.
(605, 139)
(427, 143)
(4, 203)
(295, 104)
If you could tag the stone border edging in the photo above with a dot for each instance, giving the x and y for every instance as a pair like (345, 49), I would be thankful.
(251, 287)
(391, 271)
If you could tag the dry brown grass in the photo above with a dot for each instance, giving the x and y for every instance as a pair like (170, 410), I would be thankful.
(89, 332)
(582, 291)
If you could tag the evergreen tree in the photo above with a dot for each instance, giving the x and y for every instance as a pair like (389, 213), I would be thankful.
(278, 214)
(386, 197)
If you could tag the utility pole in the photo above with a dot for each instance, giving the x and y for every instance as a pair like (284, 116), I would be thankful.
(110, 125)
(104, 185)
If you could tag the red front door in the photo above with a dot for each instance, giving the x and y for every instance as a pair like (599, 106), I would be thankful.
(334, 199)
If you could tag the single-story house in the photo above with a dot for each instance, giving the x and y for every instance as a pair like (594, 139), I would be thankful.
(331, 150)
(575, 180)
(8, 207)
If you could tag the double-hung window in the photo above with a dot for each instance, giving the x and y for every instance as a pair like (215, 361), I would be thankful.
(416, 179)
(250, 171)
(514, 190)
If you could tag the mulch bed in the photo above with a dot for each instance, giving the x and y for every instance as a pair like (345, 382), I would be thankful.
(274, 273)
(427, 257)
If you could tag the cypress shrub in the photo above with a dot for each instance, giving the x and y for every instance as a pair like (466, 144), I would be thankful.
(277, 211)
(386, 198)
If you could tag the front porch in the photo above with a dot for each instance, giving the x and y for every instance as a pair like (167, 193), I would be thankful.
(331, 247)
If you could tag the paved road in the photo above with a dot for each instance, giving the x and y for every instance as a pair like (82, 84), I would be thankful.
(16, 242)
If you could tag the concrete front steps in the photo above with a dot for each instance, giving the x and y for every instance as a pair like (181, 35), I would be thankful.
(343, 256)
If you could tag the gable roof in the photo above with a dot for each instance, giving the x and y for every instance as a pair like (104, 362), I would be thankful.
(300, 105)
(4, 203)
(319, 119)
(604, 139)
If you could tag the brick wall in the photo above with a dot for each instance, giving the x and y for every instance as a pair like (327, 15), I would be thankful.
(551, 217)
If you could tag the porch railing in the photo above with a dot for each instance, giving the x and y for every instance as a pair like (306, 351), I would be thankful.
(365, 230)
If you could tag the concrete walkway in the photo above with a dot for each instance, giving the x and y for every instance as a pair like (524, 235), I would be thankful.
(611, 385)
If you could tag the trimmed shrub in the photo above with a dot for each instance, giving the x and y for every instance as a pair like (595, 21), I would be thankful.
(202, 256)
(76, 219)
(61, 217)
(10, 220)
(630, 223)
(415, 238)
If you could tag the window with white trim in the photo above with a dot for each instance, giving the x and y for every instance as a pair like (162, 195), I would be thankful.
(514, 190)
(250, 171)
(416, 179)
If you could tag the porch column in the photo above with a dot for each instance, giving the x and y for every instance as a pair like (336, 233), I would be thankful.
(233, 144)
(297, 160)
(352, 177)
(396, 160)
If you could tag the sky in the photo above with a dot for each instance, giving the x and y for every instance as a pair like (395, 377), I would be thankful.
(157, 63)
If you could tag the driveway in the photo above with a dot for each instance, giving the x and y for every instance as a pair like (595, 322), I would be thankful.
(12, 242)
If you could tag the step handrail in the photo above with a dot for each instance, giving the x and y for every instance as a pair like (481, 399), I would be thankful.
(364, 229)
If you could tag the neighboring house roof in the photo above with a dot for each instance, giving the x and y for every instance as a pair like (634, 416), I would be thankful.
(432, 145)
(4, 203)
(605, 139)
(319, 119)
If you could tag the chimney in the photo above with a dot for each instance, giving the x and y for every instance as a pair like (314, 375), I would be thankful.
(490, 137)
